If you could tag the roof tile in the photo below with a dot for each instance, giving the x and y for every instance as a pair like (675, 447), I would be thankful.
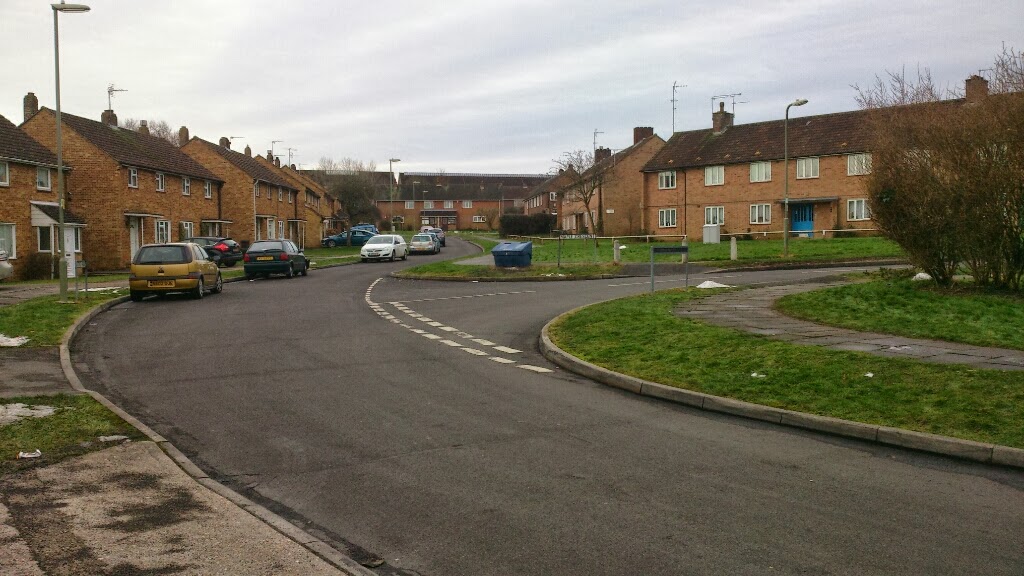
(16, 145)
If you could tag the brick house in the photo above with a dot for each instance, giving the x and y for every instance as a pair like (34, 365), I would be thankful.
(315, 213)
(257, 202)
(616, 205)
(545, 197)
(457, 201)
(733, 176)
(131, 188)
(29, 200)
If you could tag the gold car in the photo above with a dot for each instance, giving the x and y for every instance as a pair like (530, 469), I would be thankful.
(173, 267)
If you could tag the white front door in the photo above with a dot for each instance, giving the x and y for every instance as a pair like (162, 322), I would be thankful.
(69, 250)
(135, 234)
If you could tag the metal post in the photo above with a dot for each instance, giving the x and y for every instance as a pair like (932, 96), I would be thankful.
(785, 167)
(652, 269)
(733, 252)
(616, 252)
(62, 263)
(686, 253)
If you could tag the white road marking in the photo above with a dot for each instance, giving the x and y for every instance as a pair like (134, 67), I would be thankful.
(501, 360)
(452, 343)
(476, 352)
(435, 323)
(449, 329)
(425, 319)
(431, 336)
(463, 335)
(483, 342)
(507, 350)
(533, 368)
(418, 331)
(468, 296)
(413, 314)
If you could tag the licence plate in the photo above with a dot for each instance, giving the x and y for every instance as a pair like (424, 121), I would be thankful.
(262, 258)
(161, 283)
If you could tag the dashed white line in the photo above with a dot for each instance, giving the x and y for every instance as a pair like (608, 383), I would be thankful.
(507, 350)
(482, 342)
(448, 329)
(501, 360)
(435, 323)
(533, 368)
(476, 352)
(467, 296)
(452, 343)
(431, 336)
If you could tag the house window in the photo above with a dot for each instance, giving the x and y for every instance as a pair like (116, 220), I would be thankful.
(449, 204)
(806, 168)
(45, 236)
(163, 230)
(77, 239)
(42, 178)
(133, 177)
(186, 230)
(280, 194)
(666, 180)
(480, 219)
(5, 174)
(467, 203)
(667, 218)
(428, 204)
(760, 213)
(280, 228)
(553, 196)
(714, 175)
(290, 196)
(857, 210)
(858, 164)
(270, 227)
(760, 172)
(207, 189)
(186, 186)
(8, 239)
(410, 204)
(268, 195)
(714, 215)
(256, 189)
(159, 181)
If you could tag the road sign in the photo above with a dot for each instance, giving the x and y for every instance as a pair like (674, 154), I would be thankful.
(670, 249)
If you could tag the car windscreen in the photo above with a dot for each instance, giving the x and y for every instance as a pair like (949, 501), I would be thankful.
(265, 246)
(163, 255)
(421, 238)
(380, 240)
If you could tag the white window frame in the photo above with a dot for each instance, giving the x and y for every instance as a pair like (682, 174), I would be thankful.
(207, 189)
(133, 177)
(714, 215)
(448, 204)
(667, 180)
(187, 228)
(807, 168)
(160, 181)
(667, 218)
(12, 251)
(410, 204)
(467, 203)
(256, 189)
(280, 229)
(49, 239)
(162, 231)
(270, 229)
(760, 171)
(760, 214)
(478, 219)
(268, 192)
(428, 204)
(186, 186)
(280, 194)
(5, 174)
(48, 185)
(857, 209)
(291, 196)
(77, 239)
(714, 175)
(553, 197)
(858, 164)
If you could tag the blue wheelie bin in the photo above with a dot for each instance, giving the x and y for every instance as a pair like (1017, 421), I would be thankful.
(513, 254)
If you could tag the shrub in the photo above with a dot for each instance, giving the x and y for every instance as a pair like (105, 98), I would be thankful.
(522, 225)
(40, 266)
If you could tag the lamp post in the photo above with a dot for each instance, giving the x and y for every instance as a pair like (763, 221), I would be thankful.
(785, 169)
(391, 190)
(62, 261)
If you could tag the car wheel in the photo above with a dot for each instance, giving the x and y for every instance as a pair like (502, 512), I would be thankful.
(392, 258)
(135, 295)
(200, 290)
(331, 243)
(305, 269)
(405, 256)
(218, 287)
(250, 276)
(290, 273)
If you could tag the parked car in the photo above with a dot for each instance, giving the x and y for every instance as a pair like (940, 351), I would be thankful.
(390, 246)
(440, 234)
(173, 267)
(366, 226)
(225, 251)
(266, 257)
(6, 269)
(359, 237)
(424, 244)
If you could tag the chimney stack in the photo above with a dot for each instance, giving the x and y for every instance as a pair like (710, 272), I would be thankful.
(225, 143)
(143, 127)
(31, 105)
(248, 151)
(270, 155)
(293, 167)
(183, 136)
(602, 153)
(277, 162)
(641, 132)
(721, 120)
(976, 88)
(109, 118)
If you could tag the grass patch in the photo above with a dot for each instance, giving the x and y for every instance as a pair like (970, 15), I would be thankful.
(902, 307)
(44, 320)
(641, 336)
(72, 430)
(450, 269)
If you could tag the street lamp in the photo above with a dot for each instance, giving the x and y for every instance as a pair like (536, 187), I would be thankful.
(62, 261)
(391, 190)
(414, 183)
(785, 168)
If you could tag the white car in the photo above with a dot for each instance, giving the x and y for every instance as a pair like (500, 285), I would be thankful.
(381, 246)
(6, 270)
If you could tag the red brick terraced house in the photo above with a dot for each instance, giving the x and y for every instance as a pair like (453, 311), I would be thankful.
(258, 202)
(457, 201)
(29, 200)
(130, 187)
(314, 215)
(616, 207)
(732, 176)
(327, 211)
(545, 198)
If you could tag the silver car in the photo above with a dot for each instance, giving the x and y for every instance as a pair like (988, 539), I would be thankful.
(6, 270)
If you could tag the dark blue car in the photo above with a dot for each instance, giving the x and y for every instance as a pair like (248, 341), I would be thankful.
(359, 237)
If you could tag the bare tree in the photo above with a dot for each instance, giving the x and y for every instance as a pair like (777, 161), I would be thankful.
(490, 216)
(351, 182)
(584, 181)
(158, 128)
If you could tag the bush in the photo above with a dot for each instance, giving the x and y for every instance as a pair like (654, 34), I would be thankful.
(40, 266)
(521, 225)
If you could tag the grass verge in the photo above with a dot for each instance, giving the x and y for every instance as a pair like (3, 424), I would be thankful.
(450, 269)
(641, 336)
(73, 429)
(902, 307)
(44, 320)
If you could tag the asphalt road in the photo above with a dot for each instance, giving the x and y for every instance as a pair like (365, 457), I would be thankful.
(432, 434)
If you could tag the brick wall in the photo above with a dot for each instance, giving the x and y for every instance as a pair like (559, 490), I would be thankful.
(464, 216)
(15, 209)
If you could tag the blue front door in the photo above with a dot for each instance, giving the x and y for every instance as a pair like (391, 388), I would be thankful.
(802, 217)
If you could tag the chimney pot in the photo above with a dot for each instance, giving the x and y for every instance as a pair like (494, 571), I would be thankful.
(721, 120)
(31, 105)
(270, 155)
(248, 151)
(641, 132)
(602, 154)
(183, 136)
(225, 142)
(143, 127)
(976, 88)
(109, 118)
(277, 162)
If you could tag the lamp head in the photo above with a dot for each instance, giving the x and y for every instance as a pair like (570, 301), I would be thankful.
(799, 102)
(62, 7)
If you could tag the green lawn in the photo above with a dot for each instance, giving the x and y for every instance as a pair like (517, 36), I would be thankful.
(44, 320)
(641, 336)
(917, 310)
(449, 269)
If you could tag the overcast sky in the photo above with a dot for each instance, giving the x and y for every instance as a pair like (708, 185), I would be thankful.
(497, 86)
